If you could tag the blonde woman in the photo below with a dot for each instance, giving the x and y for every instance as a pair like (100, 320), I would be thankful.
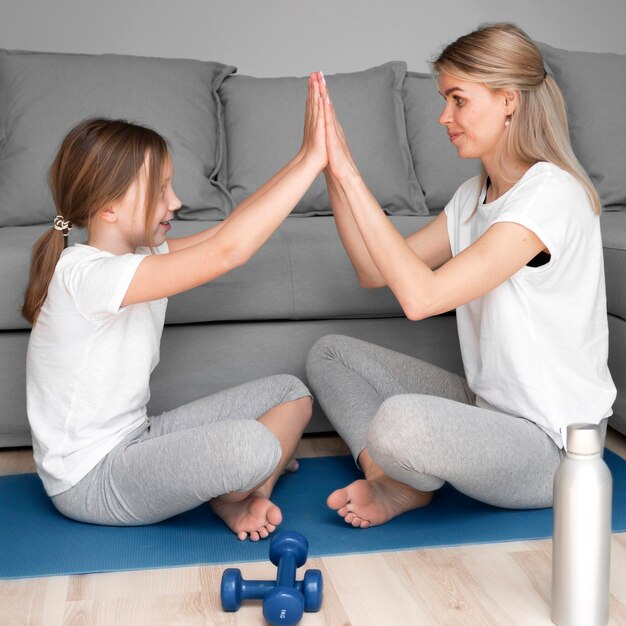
(518, 253)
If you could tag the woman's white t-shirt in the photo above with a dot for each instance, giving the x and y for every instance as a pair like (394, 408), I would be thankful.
(88, 364)
(537, 345)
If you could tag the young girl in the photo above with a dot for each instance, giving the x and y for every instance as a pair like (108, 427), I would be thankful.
(518, 253)
(98, 311)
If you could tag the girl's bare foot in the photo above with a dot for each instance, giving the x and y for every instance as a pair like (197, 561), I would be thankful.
(371, 502)
(255, 516)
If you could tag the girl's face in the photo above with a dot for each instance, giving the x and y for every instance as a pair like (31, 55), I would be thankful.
(133, 216)
(474, 116)
(167, 203)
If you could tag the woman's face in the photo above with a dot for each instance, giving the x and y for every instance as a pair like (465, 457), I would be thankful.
(474, 116)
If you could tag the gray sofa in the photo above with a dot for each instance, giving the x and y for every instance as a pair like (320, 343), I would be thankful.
(229, 133)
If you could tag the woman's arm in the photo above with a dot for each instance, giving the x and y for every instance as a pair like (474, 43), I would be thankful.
(421, 290)
(245, 231)
(430, 243)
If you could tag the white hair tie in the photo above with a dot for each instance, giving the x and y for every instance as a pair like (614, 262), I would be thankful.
(62, 225)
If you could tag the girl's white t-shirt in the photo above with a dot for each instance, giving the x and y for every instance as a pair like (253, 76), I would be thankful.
(88, 363)
(537, 345)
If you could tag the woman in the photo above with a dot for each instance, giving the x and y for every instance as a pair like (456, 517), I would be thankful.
(518, 253)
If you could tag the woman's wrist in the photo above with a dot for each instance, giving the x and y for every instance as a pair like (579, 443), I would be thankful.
(348, 180)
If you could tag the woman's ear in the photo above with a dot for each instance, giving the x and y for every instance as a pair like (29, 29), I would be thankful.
(511, 100)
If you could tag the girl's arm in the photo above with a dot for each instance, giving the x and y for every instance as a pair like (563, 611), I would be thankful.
(245, 231)
(178, 243)
(422, 291)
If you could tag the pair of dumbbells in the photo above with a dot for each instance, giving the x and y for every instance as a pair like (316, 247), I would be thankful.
(285, 599)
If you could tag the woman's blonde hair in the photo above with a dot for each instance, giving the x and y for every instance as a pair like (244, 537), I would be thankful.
(98, 161)
(502, 56)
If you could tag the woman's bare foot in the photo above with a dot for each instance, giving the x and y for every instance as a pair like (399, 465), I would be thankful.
(371, 502)
(255, 516)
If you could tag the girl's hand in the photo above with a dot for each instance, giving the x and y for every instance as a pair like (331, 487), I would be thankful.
(340, 161)
(314, 139)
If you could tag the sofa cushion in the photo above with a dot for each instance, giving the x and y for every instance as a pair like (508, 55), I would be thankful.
(594, 87)
(303, 272)
(439, 170)
(264, 120)
(43, 95)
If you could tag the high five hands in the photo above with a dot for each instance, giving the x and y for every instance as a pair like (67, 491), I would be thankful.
(324, 141)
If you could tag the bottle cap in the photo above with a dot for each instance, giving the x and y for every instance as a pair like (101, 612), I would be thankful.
(584, 439)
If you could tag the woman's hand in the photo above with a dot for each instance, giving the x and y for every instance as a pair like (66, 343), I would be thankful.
(314, 138)
(341, 165)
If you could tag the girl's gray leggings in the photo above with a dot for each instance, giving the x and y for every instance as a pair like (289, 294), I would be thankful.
(185, 457)
(421, 425)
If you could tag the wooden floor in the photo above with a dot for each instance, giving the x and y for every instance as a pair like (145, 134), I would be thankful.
(498, 584)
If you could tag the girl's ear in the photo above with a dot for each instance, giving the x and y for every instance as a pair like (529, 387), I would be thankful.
(108, 214)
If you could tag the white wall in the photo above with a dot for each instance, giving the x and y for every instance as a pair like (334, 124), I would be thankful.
(294, 37)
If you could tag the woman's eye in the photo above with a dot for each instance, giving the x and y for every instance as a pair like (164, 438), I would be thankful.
(459, 101)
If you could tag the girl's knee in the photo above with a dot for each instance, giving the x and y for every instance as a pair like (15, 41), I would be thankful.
(286, 388)
(255, 457)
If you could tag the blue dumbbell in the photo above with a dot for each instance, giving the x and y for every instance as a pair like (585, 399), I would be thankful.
(285, 599)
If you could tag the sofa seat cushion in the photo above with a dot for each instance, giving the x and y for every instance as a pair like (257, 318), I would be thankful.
(301, 273)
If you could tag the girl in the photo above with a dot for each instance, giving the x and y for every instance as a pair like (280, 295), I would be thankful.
(97, 312)
(518, 253)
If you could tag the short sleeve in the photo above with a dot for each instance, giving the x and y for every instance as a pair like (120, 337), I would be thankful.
(99, 282)
(551, 206)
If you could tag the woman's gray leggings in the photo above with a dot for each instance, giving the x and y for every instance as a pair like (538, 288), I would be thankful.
(421, 425)
(185, 457)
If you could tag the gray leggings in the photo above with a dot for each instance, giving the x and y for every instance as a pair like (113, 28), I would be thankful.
(421, 425)
(184, 457)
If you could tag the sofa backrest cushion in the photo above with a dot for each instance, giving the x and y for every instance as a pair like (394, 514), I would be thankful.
(264, 120)
(594, 87)
(439, 170)
(43, 95)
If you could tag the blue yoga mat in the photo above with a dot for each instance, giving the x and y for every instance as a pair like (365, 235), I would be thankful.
(35, 540)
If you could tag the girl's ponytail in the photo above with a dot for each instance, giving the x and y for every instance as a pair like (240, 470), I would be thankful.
(45, 255)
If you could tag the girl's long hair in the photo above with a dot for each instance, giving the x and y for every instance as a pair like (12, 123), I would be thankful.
(97, 163)
(502, 56)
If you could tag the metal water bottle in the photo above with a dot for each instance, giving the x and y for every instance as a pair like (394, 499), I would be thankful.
(581, 533)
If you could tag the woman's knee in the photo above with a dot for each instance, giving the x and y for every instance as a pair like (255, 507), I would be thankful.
(386, 432)
(400, 440)
(327, 348)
